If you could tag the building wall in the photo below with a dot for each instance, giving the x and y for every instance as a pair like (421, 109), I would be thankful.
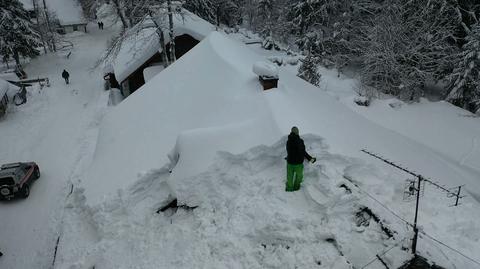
(71, 28)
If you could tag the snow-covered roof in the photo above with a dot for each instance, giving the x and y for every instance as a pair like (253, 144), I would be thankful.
(27, 4)
(210, 101)
(141, 46)
(213, 92)
(187, 95)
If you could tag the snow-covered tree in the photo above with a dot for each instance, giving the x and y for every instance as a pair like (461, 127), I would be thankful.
(465, 78)
(17, 34)
(227, 12)
(205, 9)
(308, 69)
(89, 7)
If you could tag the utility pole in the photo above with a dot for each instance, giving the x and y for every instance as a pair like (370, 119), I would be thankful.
(415, 229)
(47, 18)
(421, 179)
(171, 33)
(35, 9)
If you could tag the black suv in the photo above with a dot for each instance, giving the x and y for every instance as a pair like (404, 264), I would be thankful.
(16, 179)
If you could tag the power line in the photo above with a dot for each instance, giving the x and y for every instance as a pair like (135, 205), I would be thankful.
(451, 248)
(383, 253)
(412, 173)
(380, 203)
(408, 224)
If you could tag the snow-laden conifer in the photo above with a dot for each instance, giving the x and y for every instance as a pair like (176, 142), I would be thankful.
(17, 34)
(308, 69)
(465, 78)
(203, 8)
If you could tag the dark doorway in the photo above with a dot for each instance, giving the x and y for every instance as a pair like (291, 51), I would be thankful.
(183, 44)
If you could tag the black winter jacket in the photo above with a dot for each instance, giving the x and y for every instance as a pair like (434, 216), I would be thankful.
(65, 74)
(296, 150)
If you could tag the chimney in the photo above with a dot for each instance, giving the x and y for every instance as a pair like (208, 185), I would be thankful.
(267, 74)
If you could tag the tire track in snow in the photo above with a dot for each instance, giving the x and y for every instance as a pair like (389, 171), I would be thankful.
(87, 145)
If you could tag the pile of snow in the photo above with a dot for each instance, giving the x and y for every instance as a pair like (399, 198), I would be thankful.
(162, 142)
(143, 44)
(244, 219)
(265, 69)
(239, 215)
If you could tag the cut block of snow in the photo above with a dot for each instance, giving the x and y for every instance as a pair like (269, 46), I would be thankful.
(197, 149)
(265, 69)
(151, 71)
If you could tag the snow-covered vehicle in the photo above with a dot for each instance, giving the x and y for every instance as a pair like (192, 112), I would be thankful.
(16, 179)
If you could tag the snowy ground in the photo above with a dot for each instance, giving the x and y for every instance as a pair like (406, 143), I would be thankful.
(56, 129)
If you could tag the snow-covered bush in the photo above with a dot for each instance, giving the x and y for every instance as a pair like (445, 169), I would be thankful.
(362, 101)
(269, 43)
(465, 78)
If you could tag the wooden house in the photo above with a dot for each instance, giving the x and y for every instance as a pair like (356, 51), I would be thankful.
(143, 49)
(72, 27)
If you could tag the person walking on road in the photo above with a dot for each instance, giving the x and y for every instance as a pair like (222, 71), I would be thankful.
(66, 76)
(296, 154)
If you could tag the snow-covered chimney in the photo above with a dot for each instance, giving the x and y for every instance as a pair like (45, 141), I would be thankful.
(267, 74)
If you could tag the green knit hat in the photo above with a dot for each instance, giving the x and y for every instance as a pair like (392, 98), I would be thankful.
(295, 130)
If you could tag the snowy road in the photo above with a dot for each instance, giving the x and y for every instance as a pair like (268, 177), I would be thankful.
(52, 128)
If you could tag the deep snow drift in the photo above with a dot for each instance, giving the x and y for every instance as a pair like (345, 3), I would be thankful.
(210, 101)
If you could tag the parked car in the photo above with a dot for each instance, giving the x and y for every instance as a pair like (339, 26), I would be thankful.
(17, 178)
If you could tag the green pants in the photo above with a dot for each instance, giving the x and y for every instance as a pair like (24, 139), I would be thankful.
(294, 176)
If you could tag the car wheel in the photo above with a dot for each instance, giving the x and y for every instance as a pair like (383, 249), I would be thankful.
(25, 191)
(37, 173)
(5, 191)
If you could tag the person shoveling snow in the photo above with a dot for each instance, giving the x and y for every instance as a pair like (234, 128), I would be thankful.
(296, 153)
